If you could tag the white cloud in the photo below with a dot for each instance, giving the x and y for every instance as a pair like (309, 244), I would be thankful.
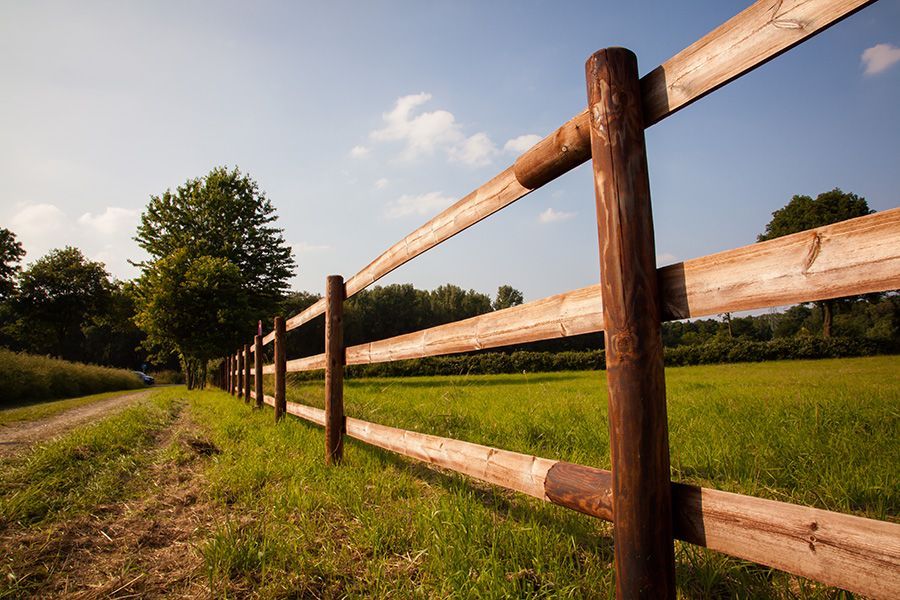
(112, 220)
(424, 133)
(37, 220)
(666, 258)
(520, 144)
(423, 204)
(476, 151)
(553, 216)
(382, 183)
(359, 152)
(880, 57)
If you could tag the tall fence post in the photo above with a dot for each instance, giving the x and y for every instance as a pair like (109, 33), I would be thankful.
(247, 372)
(227, 382)
(240, 373)
(639, 445)
(334, 369)
(234, 372)
(258, 366)
(280, 369)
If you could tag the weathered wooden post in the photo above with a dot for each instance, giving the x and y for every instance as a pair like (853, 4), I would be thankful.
(226, 383)
(240, 374)
(258, 374)
(234, 382)
(247, 372)
(639, 444)
(280, 369)
(334, 369)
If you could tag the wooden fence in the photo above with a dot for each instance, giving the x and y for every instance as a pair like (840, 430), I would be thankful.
(648, 510)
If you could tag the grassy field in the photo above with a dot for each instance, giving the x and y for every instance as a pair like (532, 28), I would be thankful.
(275, 522)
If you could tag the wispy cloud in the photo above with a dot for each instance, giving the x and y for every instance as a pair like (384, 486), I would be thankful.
(37, 220)
(520, 144)
(425, 132)
(359, 152)
(879, 58)
(476, 151)
(382, 183)
(422, 204)
(308, 248)
(112, 220)
(554, 216)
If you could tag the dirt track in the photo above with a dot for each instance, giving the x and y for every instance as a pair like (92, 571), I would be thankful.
(18, 435)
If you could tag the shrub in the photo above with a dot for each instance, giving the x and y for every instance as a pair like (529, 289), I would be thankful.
(27, 377)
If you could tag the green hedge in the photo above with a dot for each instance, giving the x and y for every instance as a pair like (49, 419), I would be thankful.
(717, 351)
(27, 378)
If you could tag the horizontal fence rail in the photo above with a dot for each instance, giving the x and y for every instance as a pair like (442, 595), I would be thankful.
(749, 39)
(837, 549)
(854, 257)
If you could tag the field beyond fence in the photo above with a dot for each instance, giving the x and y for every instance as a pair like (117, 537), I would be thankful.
(633, 298)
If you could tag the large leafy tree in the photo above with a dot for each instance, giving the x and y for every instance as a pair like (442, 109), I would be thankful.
(60, 294)
(507, 296)
(217, 265)
(11, 253)
(804, 212)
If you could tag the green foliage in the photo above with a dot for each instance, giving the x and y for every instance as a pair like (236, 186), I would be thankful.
(28, 378)
(11, 253)
(217, 266)
(803, 213)
(58, 295)
(507, 296)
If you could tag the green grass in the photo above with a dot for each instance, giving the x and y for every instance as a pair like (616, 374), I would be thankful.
(29, 378)
(93, 465)
(42, 410)
(819, 433)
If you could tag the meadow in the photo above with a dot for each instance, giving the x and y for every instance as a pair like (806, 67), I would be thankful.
(281, 524)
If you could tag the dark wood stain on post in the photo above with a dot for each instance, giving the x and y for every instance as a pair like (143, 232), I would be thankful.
(642, 515)
(240, 374)
(258, 370)
(246, 372)
(280, 369)
(585, 489)
(334, 369)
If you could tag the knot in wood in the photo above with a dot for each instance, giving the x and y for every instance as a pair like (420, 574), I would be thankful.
(624, 344)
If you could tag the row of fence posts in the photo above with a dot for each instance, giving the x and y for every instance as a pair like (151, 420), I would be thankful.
(638, 429)
(236, 370)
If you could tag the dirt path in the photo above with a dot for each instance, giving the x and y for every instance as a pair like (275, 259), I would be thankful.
(19, 435)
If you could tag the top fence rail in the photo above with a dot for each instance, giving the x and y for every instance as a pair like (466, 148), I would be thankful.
(746, 41)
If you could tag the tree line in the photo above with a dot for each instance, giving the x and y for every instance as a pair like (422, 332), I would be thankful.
(218, 265)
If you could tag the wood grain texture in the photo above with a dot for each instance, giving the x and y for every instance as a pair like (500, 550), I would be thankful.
(572, 313)
(584, 489)
(307, 363)
(258, 370)
(857, 256)
(520, 472)
(279, 368)
(497, 193)
(638, 430)
(334, 369)
(306, 315)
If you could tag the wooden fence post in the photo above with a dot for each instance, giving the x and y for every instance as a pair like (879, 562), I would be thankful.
(639, 445)
(280, 369)
(240, 373)
(334, 369)
(247, 372)
(258, 374)
(226, 383)
(234, 374)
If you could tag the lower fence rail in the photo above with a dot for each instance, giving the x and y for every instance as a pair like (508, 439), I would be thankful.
(854, 553)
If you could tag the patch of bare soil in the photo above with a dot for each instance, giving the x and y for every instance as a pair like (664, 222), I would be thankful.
(19, 435)
(143, 548)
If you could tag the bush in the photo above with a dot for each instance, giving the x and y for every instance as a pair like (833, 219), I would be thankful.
(27, 377)
(167, 376)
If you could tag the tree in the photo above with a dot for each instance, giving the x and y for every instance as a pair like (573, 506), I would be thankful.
(58, 295)
(214, 237)
(507, 296)
(803, 213)
(11, 253)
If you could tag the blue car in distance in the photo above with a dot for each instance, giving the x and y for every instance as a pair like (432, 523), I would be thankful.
(145, 378)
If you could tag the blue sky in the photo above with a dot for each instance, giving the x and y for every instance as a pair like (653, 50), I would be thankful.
(362, 120)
